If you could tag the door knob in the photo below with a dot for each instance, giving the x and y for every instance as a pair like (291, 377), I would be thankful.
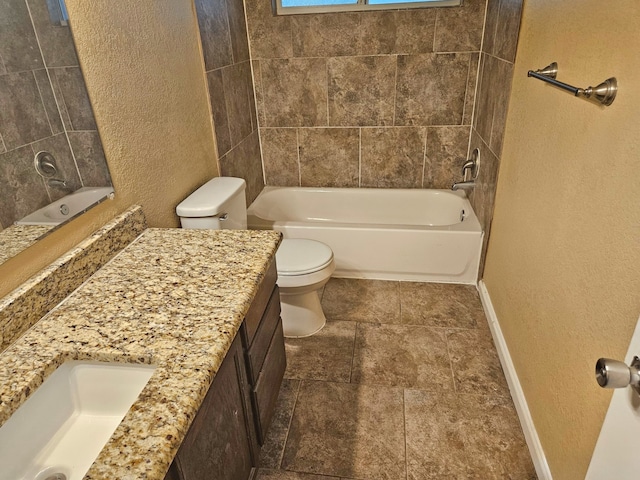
(615, 374)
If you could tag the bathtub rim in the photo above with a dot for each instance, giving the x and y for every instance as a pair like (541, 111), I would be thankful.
(470, 224)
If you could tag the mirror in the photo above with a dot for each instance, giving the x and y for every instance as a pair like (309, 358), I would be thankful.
(45, 113)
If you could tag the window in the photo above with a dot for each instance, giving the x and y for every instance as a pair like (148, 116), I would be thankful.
(289, 7)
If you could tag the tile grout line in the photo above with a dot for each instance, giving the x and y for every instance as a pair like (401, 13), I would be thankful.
(453, 376)
(286, 437)
(404, 418)
(46, 113)
(353, 353)
(399, 303)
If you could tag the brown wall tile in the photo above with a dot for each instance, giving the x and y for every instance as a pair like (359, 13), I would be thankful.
(326, 35)
(244, 161)
(257, 88)
(55, 41)
(472, 80)
(431, 89)
(364, 33)
(89, 155)
(49, 100)
(18, 45)
(294, 92)
(269, 34)
(459, 29)
(492, 100)
(280, 156)
(238, 93)
(503, 27)
(217, 98)
(224, 37)
(445, 154)
(75, 96)
(62, 108)
(412, 31)
(214, 33)
(392, 157)
(329, 157)
(22, 117)
(491, 23)
(361, 90)
(238, 30)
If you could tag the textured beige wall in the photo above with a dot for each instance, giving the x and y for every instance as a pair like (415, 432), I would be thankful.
(145, 76)
(563, 267)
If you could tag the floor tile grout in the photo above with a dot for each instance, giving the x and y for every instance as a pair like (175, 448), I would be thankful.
(453, 373)
(286, 437)
(353, 353)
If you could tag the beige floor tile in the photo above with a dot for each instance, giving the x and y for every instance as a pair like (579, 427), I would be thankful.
(373, 301)
(461, 437)
(326, 355)
(347, 430)
(475, 363)
(441, 305)
(271, 452)
(402, 355)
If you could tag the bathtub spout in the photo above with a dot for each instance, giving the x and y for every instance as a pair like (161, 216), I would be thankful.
(463, 185)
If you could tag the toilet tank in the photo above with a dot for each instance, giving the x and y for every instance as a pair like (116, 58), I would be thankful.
(218, 204)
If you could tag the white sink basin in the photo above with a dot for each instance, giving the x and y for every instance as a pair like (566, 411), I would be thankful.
(65, 423)
(67, 207)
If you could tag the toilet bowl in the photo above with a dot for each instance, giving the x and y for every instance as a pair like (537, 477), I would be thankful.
(304, 266)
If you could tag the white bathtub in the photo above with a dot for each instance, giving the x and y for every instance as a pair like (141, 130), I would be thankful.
(412, 235)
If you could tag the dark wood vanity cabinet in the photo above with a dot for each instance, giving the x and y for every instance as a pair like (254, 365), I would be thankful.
(225, 437)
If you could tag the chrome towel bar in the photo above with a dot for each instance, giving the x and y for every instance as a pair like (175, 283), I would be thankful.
(604, 93)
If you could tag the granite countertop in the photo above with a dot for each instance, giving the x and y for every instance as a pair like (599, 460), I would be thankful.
(173, 298)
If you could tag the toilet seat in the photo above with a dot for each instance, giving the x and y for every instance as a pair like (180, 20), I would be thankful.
(297, 256)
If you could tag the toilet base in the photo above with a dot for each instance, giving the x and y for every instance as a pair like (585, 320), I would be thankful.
(302, 314)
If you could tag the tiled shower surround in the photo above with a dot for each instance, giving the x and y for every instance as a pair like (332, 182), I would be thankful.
(389, 99)
(45, 106)
(225, 47)
(365, 99)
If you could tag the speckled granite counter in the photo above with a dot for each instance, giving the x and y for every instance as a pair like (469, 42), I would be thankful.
(16, 238)
(173, 298)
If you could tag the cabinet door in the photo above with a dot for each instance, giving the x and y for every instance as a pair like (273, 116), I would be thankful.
(217, 444)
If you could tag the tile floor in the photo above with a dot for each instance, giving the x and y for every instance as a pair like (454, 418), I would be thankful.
(404, 382)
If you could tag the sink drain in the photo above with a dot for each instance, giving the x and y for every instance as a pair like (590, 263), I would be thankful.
(56, 472)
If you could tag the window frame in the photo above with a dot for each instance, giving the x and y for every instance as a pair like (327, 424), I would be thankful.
(362, 6)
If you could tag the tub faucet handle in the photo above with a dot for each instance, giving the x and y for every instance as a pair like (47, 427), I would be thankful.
(471, 165)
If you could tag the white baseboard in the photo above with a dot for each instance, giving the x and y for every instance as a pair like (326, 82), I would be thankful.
(517, 394)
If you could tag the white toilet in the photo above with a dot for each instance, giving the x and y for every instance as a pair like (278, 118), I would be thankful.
(304, 266)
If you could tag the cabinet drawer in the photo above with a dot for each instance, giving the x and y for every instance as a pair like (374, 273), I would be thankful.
(254, 315)
(262, 338)
(265, 393)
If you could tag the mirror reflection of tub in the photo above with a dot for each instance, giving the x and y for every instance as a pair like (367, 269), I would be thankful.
(67, 207)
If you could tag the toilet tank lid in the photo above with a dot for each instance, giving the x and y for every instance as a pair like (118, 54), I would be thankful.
(208, 200)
